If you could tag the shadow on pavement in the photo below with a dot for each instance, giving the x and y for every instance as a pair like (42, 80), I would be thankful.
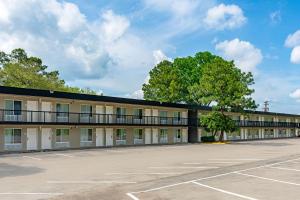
(7, 170)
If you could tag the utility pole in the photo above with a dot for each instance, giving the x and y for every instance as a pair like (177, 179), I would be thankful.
(266, 106)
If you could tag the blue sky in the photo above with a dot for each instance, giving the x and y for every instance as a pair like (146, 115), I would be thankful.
(110, 45)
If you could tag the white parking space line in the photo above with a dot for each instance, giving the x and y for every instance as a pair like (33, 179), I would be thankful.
(213, 162)
(130, 194)
(295, 162)
(65, 155)
(198, 167)
(144, 173)
(224, 191)
(238, 159)
(284, 168)
(91, 182)
(33, 158)
(116, 151)
(268, 179)
(30, 193)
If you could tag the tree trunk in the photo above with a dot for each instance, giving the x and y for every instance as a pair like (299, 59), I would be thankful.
(215, 133)
(221, 138)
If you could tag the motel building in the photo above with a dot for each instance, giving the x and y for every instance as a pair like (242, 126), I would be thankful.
(36, 120)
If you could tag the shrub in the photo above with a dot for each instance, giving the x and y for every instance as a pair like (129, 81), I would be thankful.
(208, 139)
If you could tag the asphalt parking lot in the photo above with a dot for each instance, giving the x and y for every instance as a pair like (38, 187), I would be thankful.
(252, 170)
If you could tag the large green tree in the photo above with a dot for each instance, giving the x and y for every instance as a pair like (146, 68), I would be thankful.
(204, 79)
(175, 81)
(228, 88)
(17, 69)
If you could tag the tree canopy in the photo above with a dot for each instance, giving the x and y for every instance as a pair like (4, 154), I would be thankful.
(216, 121)
(19, 70)
(228, 88)
(174, 81)
(204, 79)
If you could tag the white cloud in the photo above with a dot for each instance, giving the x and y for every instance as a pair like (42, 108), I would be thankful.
(4, 13)
(139, 94)
(225, 17)
(65, 14)
(245, 55)
(114, 26)
(159, 56)
(177, 16)
(179, 8)
(275, 17)
(295, 94)
(293, 39)
(101, 54)
(295, 55)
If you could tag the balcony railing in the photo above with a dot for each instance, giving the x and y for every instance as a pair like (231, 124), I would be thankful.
(48, 117)
(246, 123)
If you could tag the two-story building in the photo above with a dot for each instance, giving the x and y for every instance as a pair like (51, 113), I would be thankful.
(43, 120)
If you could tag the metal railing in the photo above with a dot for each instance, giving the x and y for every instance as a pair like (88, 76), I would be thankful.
(246, 123)
(40, 117)
(49, 117)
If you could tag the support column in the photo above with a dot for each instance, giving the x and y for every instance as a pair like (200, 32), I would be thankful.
(261, 130)
(276, 130)
(288, 130)
(262, 133)
(296, 129)
(242, 134)
(242, 118)
(245, 133)
(288, 133)
(259, 133)
(199, 134)
(193, 126)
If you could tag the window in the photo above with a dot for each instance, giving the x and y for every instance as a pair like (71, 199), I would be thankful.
(121, 112)
(86, 110)
(163, 117)
(86, 113)
(121, 134)
(137, 113)
(163, 136)
(62, 135)
(12, 136)
(138, 134)
(269, 133)
(86, 135)
(62, 112)
(177, 135)
(13, 107)
(177, 116)
(121, 137)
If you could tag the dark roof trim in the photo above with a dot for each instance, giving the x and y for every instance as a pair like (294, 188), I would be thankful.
(87, 97)
(75, 96)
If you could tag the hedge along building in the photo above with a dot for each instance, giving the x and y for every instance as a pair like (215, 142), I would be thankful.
(41, 120)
